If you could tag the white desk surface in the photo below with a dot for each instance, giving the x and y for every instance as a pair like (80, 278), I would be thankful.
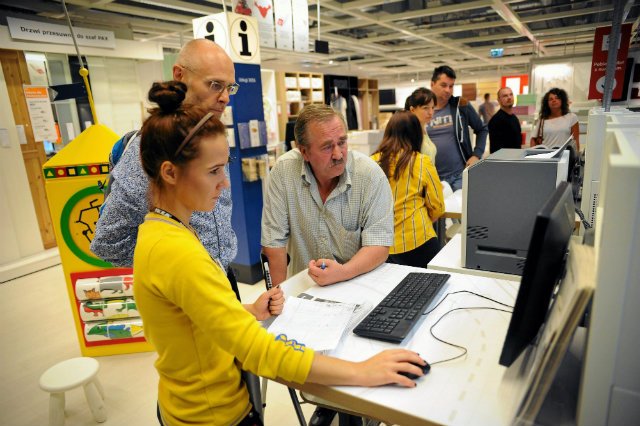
(473, 390)
(449, 259)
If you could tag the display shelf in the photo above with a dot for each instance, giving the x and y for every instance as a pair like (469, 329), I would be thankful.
(369, 103)
(294, 91)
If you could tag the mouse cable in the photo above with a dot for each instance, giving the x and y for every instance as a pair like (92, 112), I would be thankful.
(584, 221)
(464, 349)
(466, 291)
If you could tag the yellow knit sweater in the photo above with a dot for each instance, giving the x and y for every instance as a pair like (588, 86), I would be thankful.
(201, 332)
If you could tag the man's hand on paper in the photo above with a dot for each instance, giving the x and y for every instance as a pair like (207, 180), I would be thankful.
(269, 303)
(325, 271)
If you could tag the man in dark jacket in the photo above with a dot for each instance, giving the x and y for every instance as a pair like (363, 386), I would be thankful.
(449, 129)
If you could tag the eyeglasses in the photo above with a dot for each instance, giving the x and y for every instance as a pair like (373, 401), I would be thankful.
(217, 86)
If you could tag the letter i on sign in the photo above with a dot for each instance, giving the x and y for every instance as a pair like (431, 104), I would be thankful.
(245, 39)
(210, 35)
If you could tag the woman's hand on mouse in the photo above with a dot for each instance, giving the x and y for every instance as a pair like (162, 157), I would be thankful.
(384, 368)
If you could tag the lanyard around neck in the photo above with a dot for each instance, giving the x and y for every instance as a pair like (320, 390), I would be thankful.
(165, 213)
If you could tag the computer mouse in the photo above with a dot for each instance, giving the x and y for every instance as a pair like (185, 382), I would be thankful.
(425, 369)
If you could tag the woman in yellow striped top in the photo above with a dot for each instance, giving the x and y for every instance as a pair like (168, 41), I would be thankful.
(417, 191)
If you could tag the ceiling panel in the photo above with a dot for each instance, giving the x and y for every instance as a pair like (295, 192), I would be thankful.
(384, 39)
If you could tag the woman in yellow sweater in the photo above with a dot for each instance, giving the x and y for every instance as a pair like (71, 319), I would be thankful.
(202, 334)
(416, 188)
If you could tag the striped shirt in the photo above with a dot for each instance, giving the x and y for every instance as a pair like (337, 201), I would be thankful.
(418, 201)
(357, 213)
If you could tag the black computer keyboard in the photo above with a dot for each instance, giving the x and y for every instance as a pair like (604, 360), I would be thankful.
(396, 315)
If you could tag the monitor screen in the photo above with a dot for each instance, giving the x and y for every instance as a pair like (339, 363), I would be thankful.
(289, 135)
(543, 270)
(387, 97)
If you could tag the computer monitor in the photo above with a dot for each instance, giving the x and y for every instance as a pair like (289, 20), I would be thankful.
(543, 270)
(387, 96)
(289, 135)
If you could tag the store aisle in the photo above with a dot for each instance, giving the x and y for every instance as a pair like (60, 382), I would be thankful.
(38, 331)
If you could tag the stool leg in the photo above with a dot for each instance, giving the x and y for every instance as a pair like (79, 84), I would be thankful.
(99, 387)
(95, 401)
(56, 409)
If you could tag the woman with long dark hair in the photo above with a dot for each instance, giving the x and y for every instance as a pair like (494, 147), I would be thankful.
(421, 103)
(416, 188)
(556, 122)
(202, 333)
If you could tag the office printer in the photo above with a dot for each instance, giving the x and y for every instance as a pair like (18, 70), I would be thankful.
(501, 196)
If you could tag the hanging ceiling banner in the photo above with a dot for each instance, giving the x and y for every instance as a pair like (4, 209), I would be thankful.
(262, 10)
(43, 32)
(300, 10)
(284, 29)
(599, 61)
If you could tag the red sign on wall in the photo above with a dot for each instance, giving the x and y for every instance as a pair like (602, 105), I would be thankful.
(599, 61)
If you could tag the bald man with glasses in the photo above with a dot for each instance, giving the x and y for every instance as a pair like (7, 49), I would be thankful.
(209, 75)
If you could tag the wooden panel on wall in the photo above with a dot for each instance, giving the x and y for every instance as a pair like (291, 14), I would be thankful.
(469, 91)
(15, 72)
(33, 165)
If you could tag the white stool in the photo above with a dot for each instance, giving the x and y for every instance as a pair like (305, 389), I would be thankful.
(70, 374)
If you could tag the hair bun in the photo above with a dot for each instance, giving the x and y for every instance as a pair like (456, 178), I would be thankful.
(168, 95)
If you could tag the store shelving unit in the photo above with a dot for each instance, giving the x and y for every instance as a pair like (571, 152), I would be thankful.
(369, 103)
(294, 91)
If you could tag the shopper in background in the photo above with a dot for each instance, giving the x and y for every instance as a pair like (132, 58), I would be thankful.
(209, 74)
(556, 123)
(504, 126)
(416, 189)
(449, 129)
(486, 109)
(201, 332)
(421, 102)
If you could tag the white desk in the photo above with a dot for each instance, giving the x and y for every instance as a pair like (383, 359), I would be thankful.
(472, 390)
(449, 259)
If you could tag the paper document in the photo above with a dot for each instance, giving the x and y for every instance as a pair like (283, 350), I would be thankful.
(359, 311)
(315, 324)
(553, 154)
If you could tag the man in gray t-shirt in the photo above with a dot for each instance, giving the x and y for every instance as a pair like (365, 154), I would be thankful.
(449, 129)
(448, 161)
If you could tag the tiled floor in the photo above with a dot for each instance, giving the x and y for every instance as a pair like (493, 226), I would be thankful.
(37, 331)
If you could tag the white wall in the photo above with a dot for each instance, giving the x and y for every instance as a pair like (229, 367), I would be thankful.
(149, 72)
(116, 93)
(18, 221)
(571, 74)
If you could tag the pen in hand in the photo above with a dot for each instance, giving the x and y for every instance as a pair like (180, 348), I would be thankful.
(324, 265)
(267, 276)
